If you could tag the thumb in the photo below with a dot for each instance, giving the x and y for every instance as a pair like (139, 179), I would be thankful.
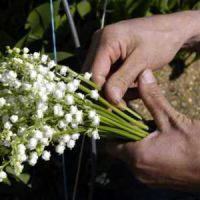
(154, 100)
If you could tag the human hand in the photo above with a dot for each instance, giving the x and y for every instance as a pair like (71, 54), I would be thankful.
(142, 43)
(170, 156)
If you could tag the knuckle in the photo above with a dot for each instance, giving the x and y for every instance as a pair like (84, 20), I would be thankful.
(102, 34)
(107, 36)
(116, 82)
(154, 92)
(107, 30)
(107, 39)
(141, 159)
(180, 121)
(122, 79)
(99, 79)
(99, 35)
(180, 117)
(123, 82)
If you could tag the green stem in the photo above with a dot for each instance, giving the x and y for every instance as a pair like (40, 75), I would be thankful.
(132, 130)
(111, 114)
(113, 117)
(119, 112)
(124, 123)
(69, 131)
(119, 132)
(133, 112)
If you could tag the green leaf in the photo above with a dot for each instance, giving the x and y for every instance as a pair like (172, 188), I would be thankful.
(164, 5)
(24, 178)
(133, 6)
(39, 19)
(72, 9)
(83, 8)
(4, 151)
(196, 6)
(172, 4)
(7, 182)
(61, 55)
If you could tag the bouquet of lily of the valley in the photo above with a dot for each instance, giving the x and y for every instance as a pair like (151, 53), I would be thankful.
(43, 103)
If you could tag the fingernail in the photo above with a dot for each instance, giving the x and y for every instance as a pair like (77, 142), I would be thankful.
(147, 77)
(115, 95)
(100, 80)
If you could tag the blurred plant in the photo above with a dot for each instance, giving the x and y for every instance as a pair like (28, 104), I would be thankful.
(36, 33)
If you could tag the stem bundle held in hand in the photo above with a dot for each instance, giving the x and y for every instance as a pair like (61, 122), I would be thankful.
(43, 103)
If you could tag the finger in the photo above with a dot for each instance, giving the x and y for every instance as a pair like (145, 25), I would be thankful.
(153, 98)
(101, 66)
(117, 84)
(101, 56)
(130, 152)
(117, 150)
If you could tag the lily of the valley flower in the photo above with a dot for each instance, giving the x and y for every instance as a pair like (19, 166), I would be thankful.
(43, 103)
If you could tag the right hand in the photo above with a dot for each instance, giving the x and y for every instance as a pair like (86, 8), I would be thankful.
(142, 43)
(170, 156)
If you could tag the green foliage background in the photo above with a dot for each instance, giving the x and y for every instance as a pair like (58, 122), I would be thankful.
(27, 23)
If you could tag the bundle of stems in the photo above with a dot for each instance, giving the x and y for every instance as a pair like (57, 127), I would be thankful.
(114, 122)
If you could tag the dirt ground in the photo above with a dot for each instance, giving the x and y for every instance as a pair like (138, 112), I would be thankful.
(183, 92)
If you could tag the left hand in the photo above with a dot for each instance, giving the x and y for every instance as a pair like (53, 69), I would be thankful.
(170, 156)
